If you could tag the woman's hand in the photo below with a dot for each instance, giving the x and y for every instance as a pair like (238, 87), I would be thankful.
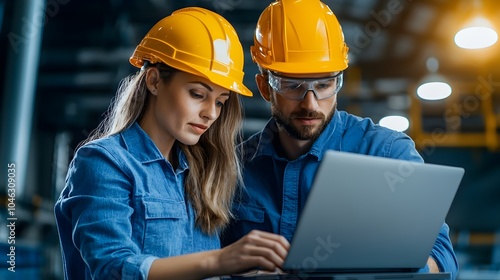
(256, 249)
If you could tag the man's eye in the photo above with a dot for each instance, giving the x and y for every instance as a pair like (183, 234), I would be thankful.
(291, 86)
(325, 85)
(322, 86)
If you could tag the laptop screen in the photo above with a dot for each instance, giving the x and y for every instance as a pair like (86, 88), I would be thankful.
(367, 213)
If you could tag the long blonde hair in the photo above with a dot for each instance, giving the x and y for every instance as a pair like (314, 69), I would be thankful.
(214, 168)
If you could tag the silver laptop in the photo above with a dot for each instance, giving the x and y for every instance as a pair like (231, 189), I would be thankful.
(370, 217)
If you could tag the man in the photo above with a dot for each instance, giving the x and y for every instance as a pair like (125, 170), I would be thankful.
(300, 50)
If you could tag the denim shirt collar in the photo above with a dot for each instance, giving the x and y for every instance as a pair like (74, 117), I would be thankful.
(142, 147)
(330, 137)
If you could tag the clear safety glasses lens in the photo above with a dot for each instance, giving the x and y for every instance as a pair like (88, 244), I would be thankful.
(296, 89)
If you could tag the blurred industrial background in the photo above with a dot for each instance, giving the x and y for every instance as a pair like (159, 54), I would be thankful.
(62, 60)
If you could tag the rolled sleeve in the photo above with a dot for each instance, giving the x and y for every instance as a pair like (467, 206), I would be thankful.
(137, 267)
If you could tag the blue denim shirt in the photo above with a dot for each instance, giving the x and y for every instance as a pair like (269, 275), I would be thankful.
(276, 188)
(122, 207)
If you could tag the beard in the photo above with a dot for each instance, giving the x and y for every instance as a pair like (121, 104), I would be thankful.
(306, 132)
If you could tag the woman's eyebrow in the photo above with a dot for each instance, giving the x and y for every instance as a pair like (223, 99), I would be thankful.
(204, 85)
(209, 87)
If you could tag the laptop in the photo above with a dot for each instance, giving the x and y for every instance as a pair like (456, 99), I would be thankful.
(370, 217)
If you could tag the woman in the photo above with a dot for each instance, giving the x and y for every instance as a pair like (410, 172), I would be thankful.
(149, 191)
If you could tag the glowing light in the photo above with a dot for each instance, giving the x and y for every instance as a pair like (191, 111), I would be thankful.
(478, 34)
(398, 123)
(434, 90)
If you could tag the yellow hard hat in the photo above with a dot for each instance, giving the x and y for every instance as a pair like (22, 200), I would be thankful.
(196, 41)
(299, 36)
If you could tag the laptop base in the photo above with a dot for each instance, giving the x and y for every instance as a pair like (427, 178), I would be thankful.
(345, 276)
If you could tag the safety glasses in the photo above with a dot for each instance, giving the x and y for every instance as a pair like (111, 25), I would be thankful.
(296, 89)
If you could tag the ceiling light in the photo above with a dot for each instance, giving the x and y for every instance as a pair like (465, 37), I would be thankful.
(433, 86)
(434, 90)
(478, 34)
(398, 123)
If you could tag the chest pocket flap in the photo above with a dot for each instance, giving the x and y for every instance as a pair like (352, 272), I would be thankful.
(249, 213)
(164, 209)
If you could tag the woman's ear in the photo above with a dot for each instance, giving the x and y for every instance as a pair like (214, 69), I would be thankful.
(152, 79)
(263, 87)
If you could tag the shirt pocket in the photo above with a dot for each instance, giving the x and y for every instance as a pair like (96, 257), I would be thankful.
(249, 213)
(166, 227)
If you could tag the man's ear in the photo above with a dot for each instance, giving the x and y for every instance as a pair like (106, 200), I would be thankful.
(263, 87)
(152, 79)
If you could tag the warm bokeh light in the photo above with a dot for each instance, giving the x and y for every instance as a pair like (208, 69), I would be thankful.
(478, 34)
(434, 90)
(398, 123)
